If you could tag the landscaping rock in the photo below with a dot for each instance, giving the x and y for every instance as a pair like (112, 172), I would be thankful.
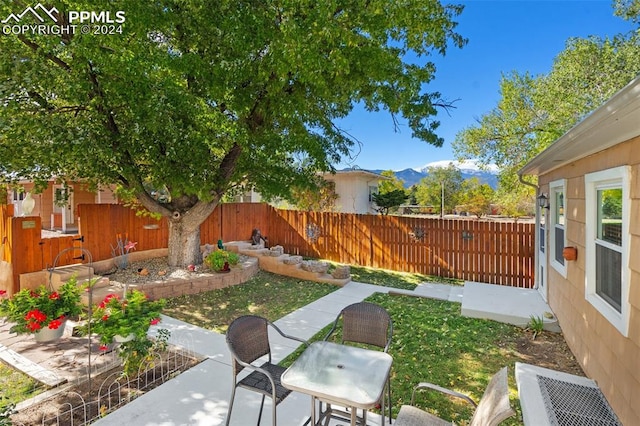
(276, 251)
(342, 272)
(292, 260)
(315, 266)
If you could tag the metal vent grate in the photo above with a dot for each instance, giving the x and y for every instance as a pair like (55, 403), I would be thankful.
(570, 404)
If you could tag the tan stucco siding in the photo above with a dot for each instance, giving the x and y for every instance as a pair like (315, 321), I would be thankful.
(606, 356)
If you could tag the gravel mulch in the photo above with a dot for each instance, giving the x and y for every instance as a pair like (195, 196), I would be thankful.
(156, 269)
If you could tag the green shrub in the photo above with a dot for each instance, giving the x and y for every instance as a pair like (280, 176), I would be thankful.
(217, 258)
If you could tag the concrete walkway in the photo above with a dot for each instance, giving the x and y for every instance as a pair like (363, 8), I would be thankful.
(200, 396)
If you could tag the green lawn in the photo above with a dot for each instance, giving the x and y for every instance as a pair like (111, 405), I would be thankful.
(16, 386)
(268, 295)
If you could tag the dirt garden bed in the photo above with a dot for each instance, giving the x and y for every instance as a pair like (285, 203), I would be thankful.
(88, 399)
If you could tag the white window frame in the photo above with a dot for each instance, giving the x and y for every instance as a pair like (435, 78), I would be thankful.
(612, 178)
(373, 189)
(554, 188)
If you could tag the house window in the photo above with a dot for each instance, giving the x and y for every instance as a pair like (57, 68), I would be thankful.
(372, 191)
(18, 196)
(607, 244)
(557, 226)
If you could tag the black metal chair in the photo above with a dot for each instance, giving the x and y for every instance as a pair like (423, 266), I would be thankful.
(248, 340)
(368, 324)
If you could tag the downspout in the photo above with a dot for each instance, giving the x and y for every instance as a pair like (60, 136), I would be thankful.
(537, 228)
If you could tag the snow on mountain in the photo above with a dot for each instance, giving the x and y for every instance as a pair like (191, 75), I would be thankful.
(468, 168)
(465, 165)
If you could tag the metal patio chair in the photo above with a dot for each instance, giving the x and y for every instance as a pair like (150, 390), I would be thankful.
(369, 324)
(492, 410)
(248, 340)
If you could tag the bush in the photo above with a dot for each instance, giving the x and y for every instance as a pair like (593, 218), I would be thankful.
(217, 259)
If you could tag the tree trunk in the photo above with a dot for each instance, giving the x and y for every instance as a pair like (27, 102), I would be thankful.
(184, 244)
(184, 228)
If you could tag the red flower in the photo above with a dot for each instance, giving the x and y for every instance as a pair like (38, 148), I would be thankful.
(54, 296)
(105, 317)
(155, 321)
(3, 292)
(107, 298)
(36, 315)
(33, 326)
(55, 324)
(103, 347)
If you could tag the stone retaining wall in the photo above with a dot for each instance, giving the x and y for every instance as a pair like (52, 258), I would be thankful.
(214, 281)
(280, 264)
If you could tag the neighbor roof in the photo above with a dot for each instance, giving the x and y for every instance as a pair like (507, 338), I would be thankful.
(616, 121)
(361, 172)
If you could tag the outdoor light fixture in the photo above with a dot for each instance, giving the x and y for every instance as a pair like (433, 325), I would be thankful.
(543, 201)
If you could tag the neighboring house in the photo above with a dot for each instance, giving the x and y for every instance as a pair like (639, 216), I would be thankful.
(59, 215)
(355, 189)
(250, 196)
(591, 178)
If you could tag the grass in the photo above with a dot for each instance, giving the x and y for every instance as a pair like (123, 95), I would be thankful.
(431, 341)
(268, 295)
(394, 279)
(16, 387)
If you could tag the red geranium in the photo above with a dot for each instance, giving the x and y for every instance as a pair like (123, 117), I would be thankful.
(56, 323)
(31, 310)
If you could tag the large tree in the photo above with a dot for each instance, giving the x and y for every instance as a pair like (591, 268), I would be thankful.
(192, 98)
(533, 111)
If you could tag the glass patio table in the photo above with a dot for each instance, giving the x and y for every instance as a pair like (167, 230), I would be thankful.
(343, 375)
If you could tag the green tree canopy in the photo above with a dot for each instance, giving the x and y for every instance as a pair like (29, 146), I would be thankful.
(439, 182)
(392, 182)
(388, 201)
(533, 111)
(476, 197)
(196, 97)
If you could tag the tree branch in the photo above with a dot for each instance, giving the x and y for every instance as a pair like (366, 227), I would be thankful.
(110, 123)
(35, 47)
(227, 167)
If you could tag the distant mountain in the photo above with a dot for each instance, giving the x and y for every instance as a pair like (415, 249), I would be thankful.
(469, 169)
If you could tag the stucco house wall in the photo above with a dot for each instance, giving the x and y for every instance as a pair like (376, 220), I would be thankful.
(354, 188)
(51, 216)
(607, 346)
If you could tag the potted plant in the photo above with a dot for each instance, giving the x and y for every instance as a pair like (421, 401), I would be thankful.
(43, 311)
(126, 321)
(221, 260)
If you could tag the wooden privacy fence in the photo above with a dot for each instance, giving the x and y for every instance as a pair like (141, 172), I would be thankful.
(100, 225)
(473, 250)
(483, 251)
(24, 250)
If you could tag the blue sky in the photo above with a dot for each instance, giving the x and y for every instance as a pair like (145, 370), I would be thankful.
(504, 36)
